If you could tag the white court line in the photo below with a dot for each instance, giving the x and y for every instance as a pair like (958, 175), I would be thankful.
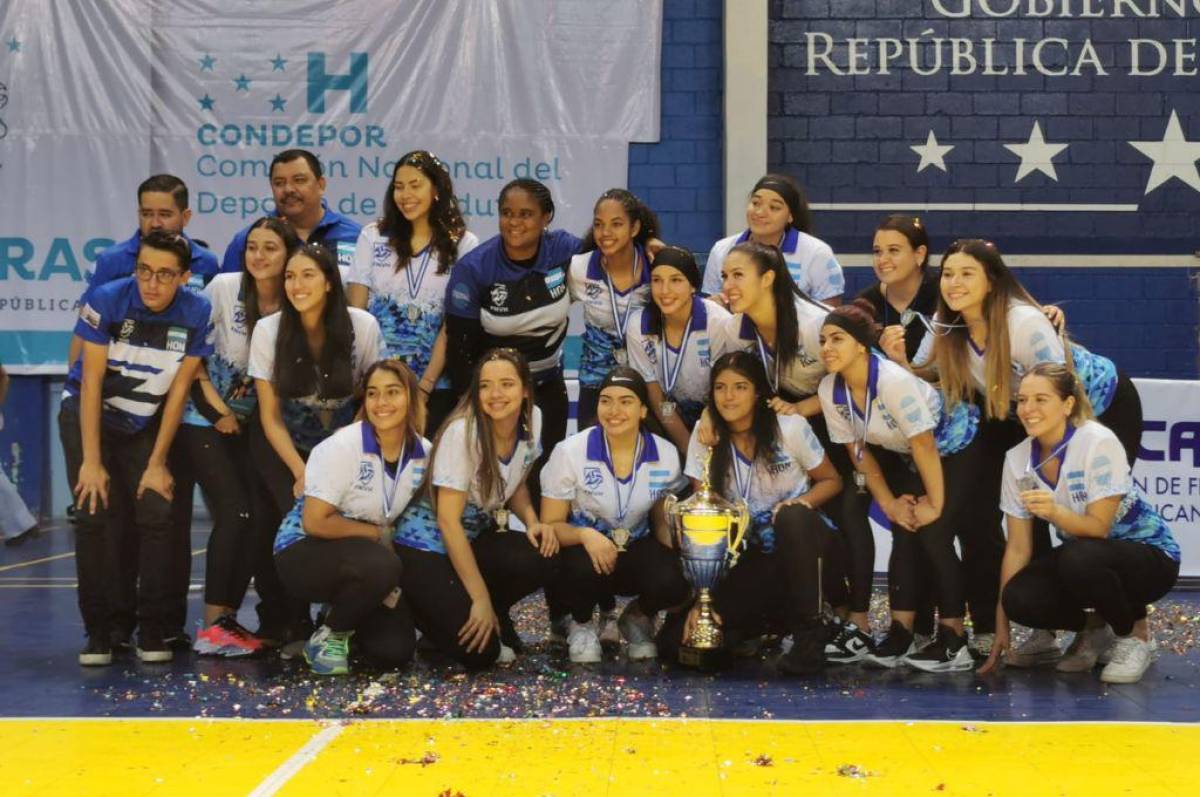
(288, 769)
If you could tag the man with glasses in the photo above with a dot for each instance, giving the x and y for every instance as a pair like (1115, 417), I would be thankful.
(143, 338)
(298, 187)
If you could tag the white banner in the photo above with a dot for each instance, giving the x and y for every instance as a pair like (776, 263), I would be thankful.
(94, 97)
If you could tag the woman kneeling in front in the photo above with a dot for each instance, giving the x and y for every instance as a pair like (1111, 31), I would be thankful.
(1117, 553)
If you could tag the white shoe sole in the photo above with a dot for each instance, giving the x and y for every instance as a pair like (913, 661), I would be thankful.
(586, 656)
(954, 665)
(1123, 678)
(641, 651)
(507, 655)
(95, 659)
(1029, 661)
(155, 656)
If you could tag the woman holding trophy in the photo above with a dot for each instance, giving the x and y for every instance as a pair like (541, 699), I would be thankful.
(775, 466)
(602, 491)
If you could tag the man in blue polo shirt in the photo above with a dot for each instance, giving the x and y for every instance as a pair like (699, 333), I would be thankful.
(298, 185)
(162, 205)
(143, 338)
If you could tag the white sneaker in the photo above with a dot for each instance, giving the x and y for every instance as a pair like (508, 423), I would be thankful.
(507, 655)
(1041, 648)
(921, 641)
(1130, 658)
(609, 634)
(1085, 649)
(1106, 655)
(638, 631)
(583, 644)
(981, 644)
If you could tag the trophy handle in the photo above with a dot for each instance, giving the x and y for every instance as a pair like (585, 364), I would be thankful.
(739, 536)
(673, 526)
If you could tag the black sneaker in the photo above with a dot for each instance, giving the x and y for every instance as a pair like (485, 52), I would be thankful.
(97, 652)
(178, 640)
(806, 656)
(22, 538)
(948, 652)
(153, 649)
(121, 641)
(849, 645)
(892, 651)
(509, 635)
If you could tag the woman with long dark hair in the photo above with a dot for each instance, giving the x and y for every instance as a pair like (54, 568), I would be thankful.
(214, 443)
(778, 467)
(334, 547)
(463, 567)
(306, 361)
(602, 490)
(1117, 554)
(401, 267)
(777, 215)
(673, 341)
(612, 280)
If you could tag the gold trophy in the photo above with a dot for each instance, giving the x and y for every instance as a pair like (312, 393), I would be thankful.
(710, 531)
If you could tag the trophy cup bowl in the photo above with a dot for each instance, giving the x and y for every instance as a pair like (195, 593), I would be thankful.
(709, 531)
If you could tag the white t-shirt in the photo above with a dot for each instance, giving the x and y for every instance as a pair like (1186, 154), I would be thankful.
(310, 419)
(1031, 340)
(902, 407)
(784, 476)
(804, 374)
(409, 319)
(459, 458)
(588, 282)
(579, 471)
(810, 261)
(1093, 467)
(647, 351)
(347, 470)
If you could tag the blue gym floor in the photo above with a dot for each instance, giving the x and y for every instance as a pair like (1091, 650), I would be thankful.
(39, 676)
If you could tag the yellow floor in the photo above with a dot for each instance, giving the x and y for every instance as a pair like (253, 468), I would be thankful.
(692, 758)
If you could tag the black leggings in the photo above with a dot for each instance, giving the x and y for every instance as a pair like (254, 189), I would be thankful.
(277, 611)
(221, 465)
(1117, 578)
(648, 570)
(936, 540)
(353, 575)
(779, 591)
(511, 568)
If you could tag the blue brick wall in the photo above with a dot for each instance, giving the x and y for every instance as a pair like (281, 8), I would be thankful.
(848, 138)
(680, 176)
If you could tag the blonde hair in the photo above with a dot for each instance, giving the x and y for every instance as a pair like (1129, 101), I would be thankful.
(1066, 384)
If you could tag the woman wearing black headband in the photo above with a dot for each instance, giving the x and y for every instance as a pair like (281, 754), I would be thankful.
(777, 215)
(673, 340)
(892, 425)
(602, 491)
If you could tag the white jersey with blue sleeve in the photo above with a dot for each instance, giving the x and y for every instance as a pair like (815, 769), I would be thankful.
(409, 304)
(902, 407)
(810, 261)
(607, 312)
(310, 419)
(683, 375)
(1092, 467)
(1031, 340)
(580, 471)
(347, 470)
(804, 373)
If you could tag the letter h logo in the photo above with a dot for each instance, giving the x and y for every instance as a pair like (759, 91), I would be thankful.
(320, 81)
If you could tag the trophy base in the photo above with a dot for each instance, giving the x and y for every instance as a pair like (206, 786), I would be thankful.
(705, 659)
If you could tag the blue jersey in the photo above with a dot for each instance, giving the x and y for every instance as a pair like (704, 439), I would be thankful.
(119, 260)
(335, 232)
(518, 306)
(145, 349)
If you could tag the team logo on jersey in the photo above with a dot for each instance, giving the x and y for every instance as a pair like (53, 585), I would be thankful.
(651, 354)
(382, 253)
(127, 327)
(593, 290)
(780, 462)
(592, 478)
(499, 295)
(239, 318)
(177, 340)
(366, 474)
(805, 358)
(90, 316)
(556, 283)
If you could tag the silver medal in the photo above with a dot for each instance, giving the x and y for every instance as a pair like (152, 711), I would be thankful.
(667, 409)
(1026, 483)
(501, 517)
(414, 313)
(907, 317)
(620, 538)
(621, 356)
(860, 482)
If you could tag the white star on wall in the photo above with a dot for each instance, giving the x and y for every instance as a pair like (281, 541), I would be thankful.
(1174, 156)
(932, 153)
(1036, 155)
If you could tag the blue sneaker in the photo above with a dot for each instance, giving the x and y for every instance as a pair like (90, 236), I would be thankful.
(327, 652)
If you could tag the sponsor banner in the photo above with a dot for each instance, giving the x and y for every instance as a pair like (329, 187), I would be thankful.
(96, 97)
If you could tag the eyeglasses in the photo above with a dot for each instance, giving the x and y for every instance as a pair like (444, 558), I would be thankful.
(163, 276)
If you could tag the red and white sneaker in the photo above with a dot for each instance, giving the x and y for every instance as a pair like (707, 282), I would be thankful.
(227, 637)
